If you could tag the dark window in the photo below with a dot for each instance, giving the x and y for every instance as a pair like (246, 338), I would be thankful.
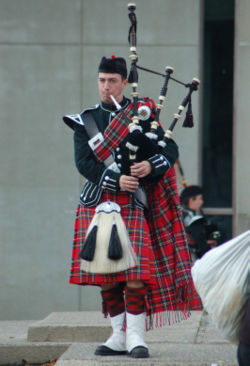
(217, 127)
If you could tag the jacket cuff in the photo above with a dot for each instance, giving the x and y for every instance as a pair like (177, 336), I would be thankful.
(110, 180)
(160, 164)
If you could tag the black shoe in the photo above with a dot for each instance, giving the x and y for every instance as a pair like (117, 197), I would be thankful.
(106, 351)
(139, 352)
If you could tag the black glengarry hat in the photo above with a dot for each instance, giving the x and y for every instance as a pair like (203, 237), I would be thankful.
(113, 65)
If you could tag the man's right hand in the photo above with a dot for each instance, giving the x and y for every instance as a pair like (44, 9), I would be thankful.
(128, 183)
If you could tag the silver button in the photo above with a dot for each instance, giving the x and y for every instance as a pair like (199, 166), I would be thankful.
(118, 149)
(119, 156)
(119, 165)
(113, 114)
(107, 178)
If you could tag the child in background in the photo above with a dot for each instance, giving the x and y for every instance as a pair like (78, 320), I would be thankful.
(202, 236)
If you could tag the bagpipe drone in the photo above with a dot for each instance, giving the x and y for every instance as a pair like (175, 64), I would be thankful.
(141, 110)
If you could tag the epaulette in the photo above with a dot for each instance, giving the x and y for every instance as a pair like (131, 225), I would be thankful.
(72, 119)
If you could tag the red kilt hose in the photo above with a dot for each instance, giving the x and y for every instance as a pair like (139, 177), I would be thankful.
(159, 241)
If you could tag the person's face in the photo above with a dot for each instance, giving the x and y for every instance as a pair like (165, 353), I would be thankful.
(111, 84)
(196, 202)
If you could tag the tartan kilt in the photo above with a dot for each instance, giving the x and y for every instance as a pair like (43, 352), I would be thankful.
(159, 241)
(138, 231)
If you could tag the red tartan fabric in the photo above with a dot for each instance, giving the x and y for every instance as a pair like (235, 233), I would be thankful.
(160, 243)
(175, 290)
(117, 130)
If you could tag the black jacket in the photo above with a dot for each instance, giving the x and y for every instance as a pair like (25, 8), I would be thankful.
(100, 177)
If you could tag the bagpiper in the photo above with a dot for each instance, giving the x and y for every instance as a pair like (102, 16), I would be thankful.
(129, 236)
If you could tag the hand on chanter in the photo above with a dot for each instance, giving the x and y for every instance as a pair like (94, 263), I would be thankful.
(128, 183)
(141, 170)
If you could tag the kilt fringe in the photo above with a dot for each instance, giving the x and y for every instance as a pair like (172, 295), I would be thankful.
(186, 299)
(164, 318)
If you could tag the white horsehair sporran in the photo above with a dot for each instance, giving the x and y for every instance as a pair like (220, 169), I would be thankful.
(107, 247)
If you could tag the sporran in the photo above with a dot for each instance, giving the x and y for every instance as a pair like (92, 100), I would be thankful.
(107, 247)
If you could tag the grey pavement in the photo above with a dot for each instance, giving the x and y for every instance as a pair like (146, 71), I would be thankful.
(72, 337)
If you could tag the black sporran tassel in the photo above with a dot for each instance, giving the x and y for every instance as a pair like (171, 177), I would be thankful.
(188, 122)
(88, 250)
(115, 247)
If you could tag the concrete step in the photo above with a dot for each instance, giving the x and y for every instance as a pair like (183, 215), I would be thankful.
(65, 337)
(91, 326)
(193, 342)
(14, 346)
(85, 326)
(161, 354)
(12, 354)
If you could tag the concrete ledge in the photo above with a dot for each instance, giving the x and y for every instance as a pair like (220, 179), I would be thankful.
(70, 327)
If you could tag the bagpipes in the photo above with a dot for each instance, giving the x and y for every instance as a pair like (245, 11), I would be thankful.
(143, 113)
(107, 246)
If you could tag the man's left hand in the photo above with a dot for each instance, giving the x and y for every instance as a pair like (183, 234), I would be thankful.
(141, 170)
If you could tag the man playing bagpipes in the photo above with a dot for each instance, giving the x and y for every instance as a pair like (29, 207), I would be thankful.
(129, 237)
